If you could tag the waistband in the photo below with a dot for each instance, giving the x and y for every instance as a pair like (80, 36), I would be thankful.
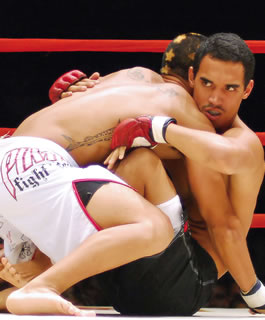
(42, 144)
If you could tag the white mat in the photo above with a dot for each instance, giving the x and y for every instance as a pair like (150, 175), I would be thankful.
(110, 314)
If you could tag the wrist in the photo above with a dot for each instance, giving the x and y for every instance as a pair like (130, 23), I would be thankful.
(169, 131)
(255, 297)
(245, 292)
(160, 126)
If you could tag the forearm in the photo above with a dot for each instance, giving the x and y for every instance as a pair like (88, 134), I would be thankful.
(231, 246)
(209, 149)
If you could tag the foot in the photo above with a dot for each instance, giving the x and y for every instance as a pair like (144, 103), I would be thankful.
(21, 273)
(10, 274)
(42, 301)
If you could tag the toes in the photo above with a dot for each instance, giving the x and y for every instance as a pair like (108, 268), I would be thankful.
(4, 260)
(12, 270)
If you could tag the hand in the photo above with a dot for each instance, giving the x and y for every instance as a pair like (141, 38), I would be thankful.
(68, 79)
(117, 154)
(143, 131)
(82, 85)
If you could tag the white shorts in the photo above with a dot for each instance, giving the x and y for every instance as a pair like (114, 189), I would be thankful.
(38, 195)
(17, 247)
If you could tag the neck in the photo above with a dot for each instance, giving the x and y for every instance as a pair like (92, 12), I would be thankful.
(179, 81)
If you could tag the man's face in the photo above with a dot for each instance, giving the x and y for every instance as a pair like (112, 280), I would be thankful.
(219, 90)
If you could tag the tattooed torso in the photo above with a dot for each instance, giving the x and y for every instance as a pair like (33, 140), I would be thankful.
(83, 124)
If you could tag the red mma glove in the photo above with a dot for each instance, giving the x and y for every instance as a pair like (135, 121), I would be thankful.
(141, 132)
(63, 83)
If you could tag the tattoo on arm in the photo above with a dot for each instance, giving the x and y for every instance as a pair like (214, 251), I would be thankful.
(89, 140)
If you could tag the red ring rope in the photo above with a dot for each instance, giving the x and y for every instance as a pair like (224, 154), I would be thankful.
(53, 45)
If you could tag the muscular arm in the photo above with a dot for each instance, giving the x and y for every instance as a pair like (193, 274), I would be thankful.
(226, 230)
(229, 153)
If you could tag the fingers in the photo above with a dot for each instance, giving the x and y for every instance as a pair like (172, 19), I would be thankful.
(79, 87)
(122, 151)
(94, 76)
(83, 85)
(88, 82)
(66, 94)
(117, 154)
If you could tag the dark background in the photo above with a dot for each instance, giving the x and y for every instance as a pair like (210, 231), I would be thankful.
(26, 77)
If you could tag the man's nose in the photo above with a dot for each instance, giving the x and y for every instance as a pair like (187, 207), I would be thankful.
(215, 97)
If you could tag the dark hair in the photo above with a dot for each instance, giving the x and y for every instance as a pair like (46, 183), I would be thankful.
(227, 47)
(180, 53)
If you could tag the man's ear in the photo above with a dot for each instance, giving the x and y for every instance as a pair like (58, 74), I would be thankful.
(191, 77)
(248, 89)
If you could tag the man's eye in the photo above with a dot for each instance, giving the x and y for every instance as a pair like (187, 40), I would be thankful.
(207, 83)
(230, 88)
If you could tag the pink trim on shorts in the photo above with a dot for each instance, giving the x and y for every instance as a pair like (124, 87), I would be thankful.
(81, 203)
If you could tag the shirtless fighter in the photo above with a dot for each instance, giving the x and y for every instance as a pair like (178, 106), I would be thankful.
(235, 152)
(220, 77)
(40, 164)
(227, 224)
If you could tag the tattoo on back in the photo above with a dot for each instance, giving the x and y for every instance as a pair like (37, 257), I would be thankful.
(135, 74)
(169, 91)
(89, 140)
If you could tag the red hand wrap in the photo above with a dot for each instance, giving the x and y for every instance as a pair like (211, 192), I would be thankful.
(63, 83)
(130, 129)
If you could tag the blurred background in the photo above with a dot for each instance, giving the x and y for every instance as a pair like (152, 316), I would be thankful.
(26, 77)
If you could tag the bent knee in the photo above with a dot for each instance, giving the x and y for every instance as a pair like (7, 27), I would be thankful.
(143, 155)
(140, 157)
(158, 232)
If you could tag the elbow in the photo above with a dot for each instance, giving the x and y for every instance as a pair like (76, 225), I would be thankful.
(228, 159)
(223, 162)
(228, 165)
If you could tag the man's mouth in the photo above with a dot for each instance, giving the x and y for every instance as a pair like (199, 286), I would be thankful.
(213, 113)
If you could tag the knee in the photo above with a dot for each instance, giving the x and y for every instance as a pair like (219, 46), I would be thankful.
(158, 233)
(138, 166)
(140, 157)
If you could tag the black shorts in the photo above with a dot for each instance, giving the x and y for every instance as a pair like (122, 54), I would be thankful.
(178, 281)
(87, 188)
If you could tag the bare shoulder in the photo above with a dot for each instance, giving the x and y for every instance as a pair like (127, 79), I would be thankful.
(135, 75)
(240, 132)
(249, 146)
(144, 74)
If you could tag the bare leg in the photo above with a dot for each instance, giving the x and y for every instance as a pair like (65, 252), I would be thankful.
(134, 228)
(3, 297)
(144, 171)
(42, 301)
